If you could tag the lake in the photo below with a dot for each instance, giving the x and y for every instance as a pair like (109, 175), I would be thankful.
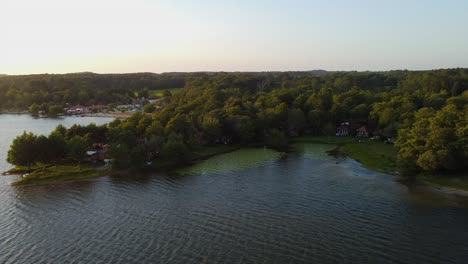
(250, 206)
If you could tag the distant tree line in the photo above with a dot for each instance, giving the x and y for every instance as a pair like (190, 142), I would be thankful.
(52, 92)
(425, 111)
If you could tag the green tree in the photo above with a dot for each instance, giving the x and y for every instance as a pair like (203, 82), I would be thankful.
(76, 149)
(56, 146)
(174, 149)
(55, 110)
(137, 157)
(296, 120)
(434, 142)
(167, 93)
(23, 151)
(149, 108)
(43, 147)
(34, 109)
(211, 127)
(243, 127)
(276, 139)
(120, 154)
(154, 129)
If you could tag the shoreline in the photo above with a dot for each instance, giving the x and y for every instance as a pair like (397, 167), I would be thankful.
(446, 190)
(450, 185)
(373, 155)
(211, 151)
(41, 175)
(53, 174)
(14, 112)
(112, 114)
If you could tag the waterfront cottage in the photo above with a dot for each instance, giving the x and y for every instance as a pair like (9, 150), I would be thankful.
(343, 130)
(77, 109)
(362, 132)
(99, 153)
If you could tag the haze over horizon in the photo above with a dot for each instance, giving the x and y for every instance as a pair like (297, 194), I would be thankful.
(120, 36)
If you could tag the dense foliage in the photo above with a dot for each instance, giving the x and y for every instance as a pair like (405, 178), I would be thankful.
(426, 111)
(61, 145)
(45, 91)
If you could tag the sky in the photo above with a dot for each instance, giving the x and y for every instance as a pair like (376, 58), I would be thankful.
(116, 36)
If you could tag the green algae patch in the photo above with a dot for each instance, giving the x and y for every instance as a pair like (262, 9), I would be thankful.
(373, 155)
(233, 161)
(315, 151)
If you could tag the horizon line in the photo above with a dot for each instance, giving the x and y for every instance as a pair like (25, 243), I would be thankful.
(222, 71)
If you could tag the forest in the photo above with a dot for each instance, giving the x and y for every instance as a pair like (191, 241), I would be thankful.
(49, 91)
(425, 111)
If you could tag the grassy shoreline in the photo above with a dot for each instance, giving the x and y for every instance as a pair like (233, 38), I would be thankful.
(60, 173)
(378, 156)
(449, 182)
(51, 174)
(374, 155)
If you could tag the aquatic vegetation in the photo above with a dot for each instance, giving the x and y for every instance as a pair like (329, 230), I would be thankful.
(233, 161)
(314, 151)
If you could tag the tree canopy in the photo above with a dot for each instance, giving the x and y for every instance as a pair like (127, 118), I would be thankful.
(425, 110)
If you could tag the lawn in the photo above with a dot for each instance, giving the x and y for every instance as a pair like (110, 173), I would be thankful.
(159, 92)
(374, 155)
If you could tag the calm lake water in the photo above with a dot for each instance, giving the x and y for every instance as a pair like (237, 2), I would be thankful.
(250, 206)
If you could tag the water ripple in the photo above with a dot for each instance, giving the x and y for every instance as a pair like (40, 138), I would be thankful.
(297, 210)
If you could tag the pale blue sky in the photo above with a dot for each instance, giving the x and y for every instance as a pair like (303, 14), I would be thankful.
(58, 36)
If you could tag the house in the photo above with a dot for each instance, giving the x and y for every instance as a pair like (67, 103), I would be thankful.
(77, 109)
(342, 130)
(99, 153)
(362, 132)
(97, 108)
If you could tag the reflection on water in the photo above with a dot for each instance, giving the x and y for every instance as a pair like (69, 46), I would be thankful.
(293, 210)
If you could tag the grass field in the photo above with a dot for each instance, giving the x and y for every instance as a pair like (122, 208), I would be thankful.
(374, 155)
(160, 92)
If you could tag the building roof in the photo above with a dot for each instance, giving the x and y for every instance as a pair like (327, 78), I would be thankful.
(75, 107)
(362, 129)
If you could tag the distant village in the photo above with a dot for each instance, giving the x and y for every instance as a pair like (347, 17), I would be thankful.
(111, 109)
